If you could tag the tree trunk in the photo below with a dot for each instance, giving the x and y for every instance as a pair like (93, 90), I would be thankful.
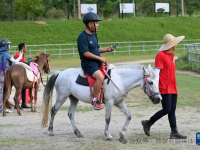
(182, 8)
(133, 8)
(74, 9)
(79, 9)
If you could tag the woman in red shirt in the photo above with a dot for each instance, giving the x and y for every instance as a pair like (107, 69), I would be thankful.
(165, 68)
(22, 48)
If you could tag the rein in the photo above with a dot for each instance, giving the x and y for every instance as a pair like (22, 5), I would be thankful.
(46, 70)
(116, 85)
(42, 79)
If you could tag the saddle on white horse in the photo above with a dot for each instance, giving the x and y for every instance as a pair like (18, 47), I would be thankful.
(85, 79)
(32, 72)
(82, 79)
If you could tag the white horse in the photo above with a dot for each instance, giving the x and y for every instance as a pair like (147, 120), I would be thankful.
(125, 77)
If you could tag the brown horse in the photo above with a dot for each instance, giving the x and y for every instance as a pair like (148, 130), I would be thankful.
(16, 75)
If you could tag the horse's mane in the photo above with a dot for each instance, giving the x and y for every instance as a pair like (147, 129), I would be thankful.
(38, 55)
(135, 67)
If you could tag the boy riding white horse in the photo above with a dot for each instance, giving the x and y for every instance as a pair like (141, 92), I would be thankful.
(89, 52)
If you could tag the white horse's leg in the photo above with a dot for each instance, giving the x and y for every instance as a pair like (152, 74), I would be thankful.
(123, 108)
(54, 109)
(107, 118)
(71, 113)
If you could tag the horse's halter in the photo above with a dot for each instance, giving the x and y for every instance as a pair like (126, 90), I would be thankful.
(147, 90)
(47, 67)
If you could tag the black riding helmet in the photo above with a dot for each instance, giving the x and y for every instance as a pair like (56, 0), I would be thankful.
(4, 43)
(90, 16)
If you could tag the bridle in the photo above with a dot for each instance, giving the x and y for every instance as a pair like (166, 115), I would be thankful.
(46, 70)
(147, 90)
(47, 67)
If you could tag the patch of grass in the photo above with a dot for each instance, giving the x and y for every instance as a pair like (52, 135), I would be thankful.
(7, 125)
(78, 109)
(182, 62)
(188, 88)
(11, 141)
(127, 29)
(188, 93)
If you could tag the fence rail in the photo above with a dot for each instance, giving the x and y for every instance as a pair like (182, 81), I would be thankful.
(62, 50)
(193, 55)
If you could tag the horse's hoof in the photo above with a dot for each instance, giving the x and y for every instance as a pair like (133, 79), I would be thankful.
(122, 140)
(109, 139)
(4, 114)
(51, 134)
(32, 110)
(20, 113)
(79, 136)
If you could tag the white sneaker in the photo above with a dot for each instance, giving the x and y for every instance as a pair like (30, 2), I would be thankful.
(8, 111)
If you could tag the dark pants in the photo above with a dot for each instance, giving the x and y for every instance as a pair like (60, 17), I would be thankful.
(24, 97)
(169, 102)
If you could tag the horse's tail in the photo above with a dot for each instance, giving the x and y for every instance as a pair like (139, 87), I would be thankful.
(7, 88)
(47, 98)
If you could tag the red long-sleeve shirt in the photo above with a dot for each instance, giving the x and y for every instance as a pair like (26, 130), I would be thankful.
(17, 55)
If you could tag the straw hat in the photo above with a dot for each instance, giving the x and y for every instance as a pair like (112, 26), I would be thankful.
(170, 41)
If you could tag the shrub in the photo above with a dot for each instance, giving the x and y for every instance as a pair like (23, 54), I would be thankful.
(160, 11)
(107, 12)
(190, 12)
(182, 63)
(55, 14)
(3, 17)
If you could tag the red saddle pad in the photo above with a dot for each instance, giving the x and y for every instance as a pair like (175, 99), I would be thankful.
(92, 80)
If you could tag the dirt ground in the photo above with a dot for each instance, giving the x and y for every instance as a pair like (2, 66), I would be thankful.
(24, 132)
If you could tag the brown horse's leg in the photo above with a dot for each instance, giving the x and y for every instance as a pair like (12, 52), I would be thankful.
(5, 100)
(16, 99)
(36, 91)
(6, 86)
(31, 98)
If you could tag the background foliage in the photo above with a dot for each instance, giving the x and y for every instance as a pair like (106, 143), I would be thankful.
(32, 9)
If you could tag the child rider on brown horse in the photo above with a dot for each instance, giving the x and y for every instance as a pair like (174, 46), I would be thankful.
(6, 60)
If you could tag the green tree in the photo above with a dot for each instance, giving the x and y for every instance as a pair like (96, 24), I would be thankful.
(24, 7)
(190, 12)
(160, 11)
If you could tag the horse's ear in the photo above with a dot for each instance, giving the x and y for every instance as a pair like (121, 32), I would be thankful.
(48, 55)
(149, 68)
(146, 72)
(37, 57)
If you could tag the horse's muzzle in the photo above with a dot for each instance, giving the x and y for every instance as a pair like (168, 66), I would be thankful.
(156, 98)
